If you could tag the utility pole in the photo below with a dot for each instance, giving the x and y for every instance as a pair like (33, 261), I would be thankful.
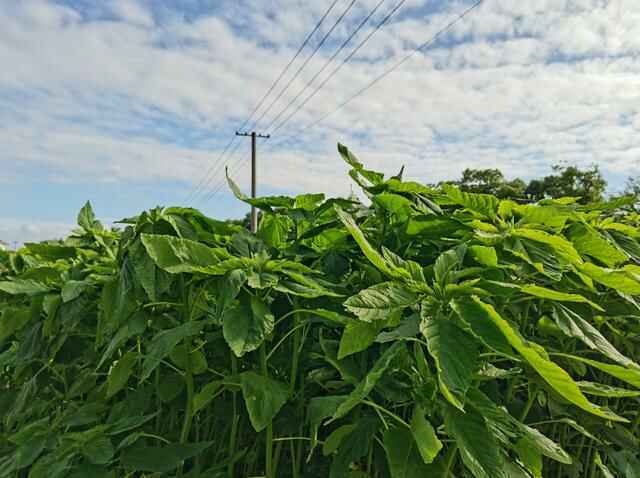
(254, 212)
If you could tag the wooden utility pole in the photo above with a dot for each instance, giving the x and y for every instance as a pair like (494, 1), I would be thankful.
(254, 212)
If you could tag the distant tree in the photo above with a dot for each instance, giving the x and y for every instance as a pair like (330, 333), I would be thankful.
(633, 186)
(588, 184)
(491, 181)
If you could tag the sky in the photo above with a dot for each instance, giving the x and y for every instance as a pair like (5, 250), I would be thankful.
(130, 103)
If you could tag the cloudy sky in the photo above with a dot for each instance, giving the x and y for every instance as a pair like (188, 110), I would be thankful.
(130, 103)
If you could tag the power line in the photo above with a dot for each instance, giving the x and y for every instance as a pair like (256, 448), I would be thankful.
(232, 156)
(207, 177)
(384, 74)
(339, 67)
(327, 63)
(306, 62)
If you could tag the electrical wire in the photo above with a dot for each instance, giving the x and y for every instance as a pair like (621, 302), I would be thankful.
(327, 63)
(210, 172)
(339, 67)
(387, 72)
(305, 63)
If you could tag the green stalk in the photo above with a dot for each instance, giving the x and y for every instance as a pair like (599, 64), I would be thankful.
(234, 423)
(188, 416)
(527, 407)
(451, 458)
(268, 452)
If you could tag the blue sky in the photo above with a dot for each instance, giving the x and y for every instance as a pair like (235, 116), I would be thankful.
(129, 103)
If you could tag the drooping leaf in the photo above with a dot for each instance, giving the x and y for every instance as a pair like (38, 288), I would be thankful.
(428, 443)
(555, 295)
(120, 373)
(617, 279)
(628, 375)
(246, 325)
(164, 342)
(575, 326)
(263, 397)
(455, 370)
(369, 382)
(555, 376)
(478, 447)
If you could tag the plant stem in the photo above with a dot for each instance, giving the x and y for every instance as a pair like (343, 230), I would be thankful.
(527, 408)
(234, 423)
(269, 430)
(451, 458)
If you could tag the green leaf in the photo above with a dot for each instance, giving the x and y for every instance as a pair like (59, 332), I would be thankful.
(164, 342)
(367, 249)
(560, 246)
(13, 320)
(87, 219)
(263, 398)
(373, 177)
(99, 450)
(395, 204)
(477, 445)
(606, 472)
(29, 451)
(484, 255)
(589, 242)
(432, 226)
(120, 373)
(627, 375)
(555, 376)
(358, 336)
(403, 456)
(530, 457)
(246, 325)
(617, 279)
(425, 436)
(73, 289)
(274, 230)
(369, 382)
(176, 255)
(24, 286)
(551, 294)
(335, 438)
(484, 204)
(575, 326)
(204, 396)
(456, 370)
(602, 390)
(160, 459)
(380, 301)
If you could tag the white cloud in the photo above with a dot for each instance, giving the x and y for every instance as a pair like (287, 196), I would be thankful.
(520, 86)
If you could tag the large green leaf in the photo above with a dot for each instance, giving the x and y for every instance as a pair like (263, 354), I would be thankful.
(428, 443)
(551, 294)
(403, 456)
(617, 279)
(555, 376)
(177, 255)
(164, 342)
(358, 336)
(369, 382)
(477, 445)
(24, 286)
(367, 249)
(263, 397)
(575, 326)
(246, 325)
(628, 375)
(561, 246)
(120, 373)
(456, 370)
(589, 242)
(380, 301)
(13, 320)
(484, 204)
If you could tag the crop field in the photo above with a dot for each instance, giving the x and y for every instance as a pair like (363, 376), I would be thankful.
(425, 333)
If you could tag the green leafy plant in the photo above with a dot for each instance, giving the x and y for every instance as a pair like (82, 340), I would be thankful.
(433, 332)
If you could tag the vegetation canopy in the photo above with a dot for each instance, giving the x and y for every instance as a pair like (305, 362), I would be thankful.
(433, 332)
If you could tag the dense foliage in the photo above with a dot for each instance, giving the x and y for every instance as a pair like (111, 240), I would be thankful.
(430, 333)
